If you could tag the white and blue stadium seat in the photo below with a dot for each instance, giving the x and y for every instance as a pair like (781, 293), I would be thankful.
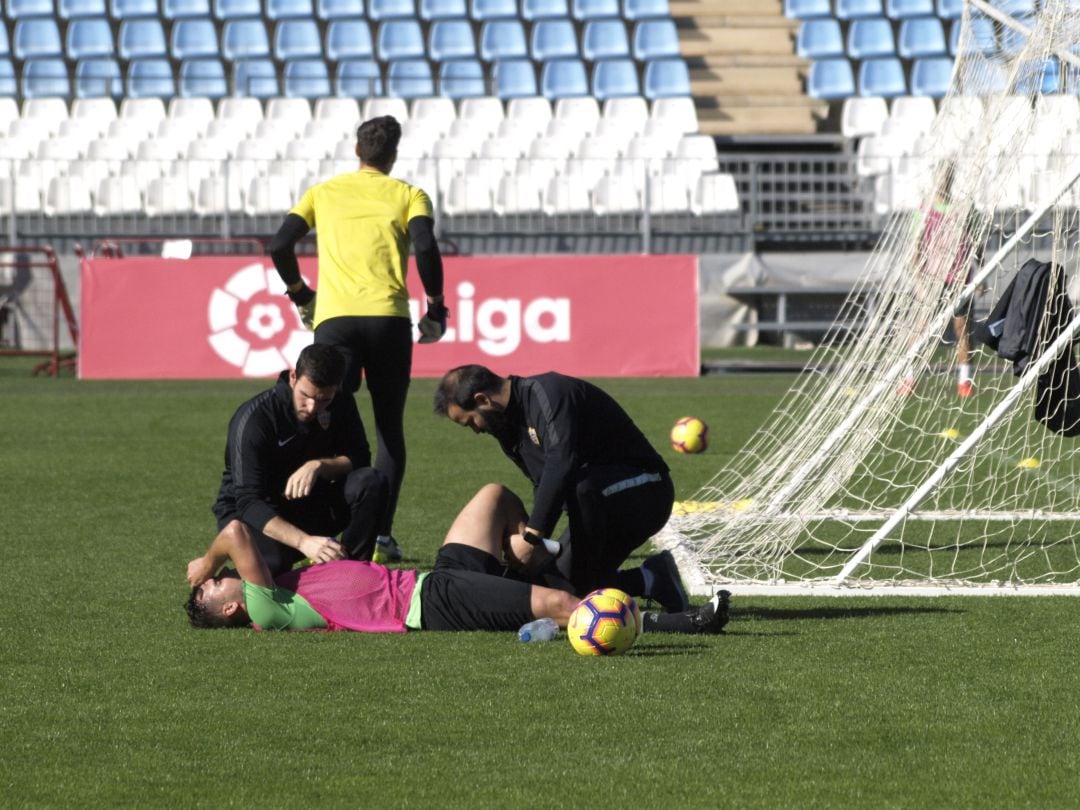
(503, 39)
(306, 78)
(635, 10)
(604, 39)
(485, 10)
(514, 78)
(237, 9)
(807, 9)
(379, 10)
(544, 9)
(339, 9)
(289, 9)
(561, 78)
(297, 39)
(870, 38)
(564, 195)
(615, 78)
(92, 114)
(882, 77)
(615, 194)
(118, 195)
(931, 77)
(819, 39)
(434, 115)
(517, 194)
(1016, 8)
(830, 79)
(655, 39)
(70, 9)
(981, 39)
(199, 112)
(37, 38)
(581, 111)
(357, 78)
(98, 77)
(348, 39)
(533, 110)
(185, 9)
(854, 9)
(150, 78)
(863, 116)
(141, 39)
(715, 193)
(43, 78)
(443, 9)
(585, 10)
(451, 39)
(666, 78)
(255, 77)
(268, 195)
(677, 112)
(905, 9)
(481, 114)
(194, 39)
(921, 37)
(949, 9)
(915, 113)
(203, 77)
(167, 195)
(66, 195)
(410, 78)
(132, 9)
(400, 39)
(553, 39)
(629, 114)
(461, 78)
(1012, 42)
(88, 38)
(244, 39)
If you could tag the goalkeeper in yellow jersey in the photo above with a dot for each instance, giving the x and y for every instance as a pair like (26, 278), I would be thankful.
(366, 222)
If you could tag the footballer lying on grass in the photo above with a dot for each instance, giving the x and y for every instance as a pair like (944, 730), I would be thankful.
(467, 590)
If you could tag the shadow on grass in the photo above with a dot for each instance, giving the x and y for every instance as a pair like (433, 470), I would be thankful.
(656, 650)
(770, 613)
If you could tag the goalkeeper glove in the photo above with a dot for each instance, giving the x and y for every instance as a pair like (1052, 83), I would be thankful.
(304, 299)
(433, 325)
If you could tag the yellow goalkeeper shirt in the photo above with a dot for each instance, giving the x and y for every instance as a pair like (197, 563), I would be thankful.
(362, 219)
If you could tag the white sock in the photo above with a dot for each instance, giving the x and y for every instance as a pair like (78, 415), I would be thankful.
(382, 539)
(647, 578)
(964, 372)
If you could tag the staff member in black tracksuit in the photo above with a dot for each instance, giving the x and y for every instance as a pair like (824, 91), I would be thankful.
(297, 467)
(583, 454)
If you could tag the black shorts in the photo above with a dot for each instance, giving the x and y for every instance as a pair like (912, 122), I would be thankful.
(467, 591)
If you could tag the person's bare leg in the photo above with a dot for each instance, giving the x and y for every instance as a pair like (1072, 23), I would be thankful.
(550, 602)
(486, 521)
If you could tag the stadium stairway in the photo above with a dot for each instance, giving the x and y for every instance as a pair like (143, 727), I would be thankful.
(744, 74)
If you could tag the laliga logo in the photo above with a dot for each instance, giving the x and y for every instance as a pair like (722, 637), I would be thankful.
(499, 322)
(250, 325)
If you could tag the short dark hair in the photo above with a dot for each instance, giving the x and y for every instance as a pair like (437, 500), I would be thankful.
(377, 140)
(321, 363)
(203, 619)
(459, 386)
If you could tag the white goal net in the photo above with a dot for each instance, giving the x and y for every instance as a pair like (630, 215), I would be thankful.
(881, 468)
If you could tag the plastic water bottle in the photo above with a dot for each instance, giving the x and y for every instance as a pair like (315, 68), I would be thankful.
(539, 630)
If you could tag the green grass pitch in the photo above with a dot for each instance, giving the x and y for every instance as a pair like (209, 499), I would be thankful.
(107, 698)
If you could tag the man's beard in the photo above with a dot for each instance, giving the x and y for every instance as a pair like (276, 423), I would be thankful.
(498, 423)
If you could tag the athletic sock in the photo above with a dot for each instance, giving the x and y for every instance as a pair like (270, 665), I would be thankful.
(647, 579)
(653, 622)
(963, 372)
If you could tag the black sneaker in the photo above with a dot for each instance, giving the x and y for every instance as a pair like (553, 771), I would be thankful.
(667, 587)
(713, 615)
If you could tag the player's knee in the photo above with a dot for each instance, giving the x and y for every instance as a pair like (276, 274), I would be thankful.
(366, 483)
(236, 529)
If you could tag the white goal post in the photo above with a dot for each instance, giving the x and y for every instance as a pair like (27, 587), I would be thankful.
(882, 474)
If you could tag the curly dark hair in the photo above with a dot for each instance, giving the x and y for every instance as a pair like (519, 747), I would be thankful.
(377, 141)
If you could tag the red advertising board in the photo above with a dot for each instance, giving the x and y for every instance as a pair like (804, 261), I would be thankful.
(220, 317)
